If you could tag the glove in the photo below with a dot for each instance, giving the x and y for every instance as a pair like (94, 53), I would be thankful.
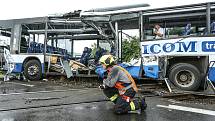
(105, 74)
(101, 86)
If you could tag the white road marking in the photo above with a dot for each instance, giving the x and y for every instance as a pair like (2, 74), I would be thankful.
(27, 85)
(189, 109)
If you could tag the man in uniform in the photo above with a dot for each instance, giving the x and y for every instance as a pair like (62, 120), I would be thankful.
(120, 88)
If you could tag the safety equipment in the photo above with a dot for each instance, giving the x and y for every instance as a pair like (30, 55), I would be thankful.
(133, 84)
(126, 98)
(132, 105)
(122, 89)
(142, 103)
(102, 86)
(123, 103)
(113, 98)
(107, 60)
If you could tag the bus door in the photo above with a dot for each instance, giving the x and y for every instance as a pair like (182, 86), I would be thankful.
(151, 66)
(211, 68)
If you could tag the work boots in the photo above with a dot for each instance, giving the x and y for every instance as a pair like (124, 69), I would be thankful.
(142, 103)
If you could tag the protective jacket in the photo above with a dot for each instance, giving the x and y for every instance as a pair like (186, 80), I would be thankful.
(119, 78)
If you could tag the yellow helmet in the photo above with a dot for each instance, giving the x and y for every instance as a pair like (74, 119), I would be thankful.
(107, 60)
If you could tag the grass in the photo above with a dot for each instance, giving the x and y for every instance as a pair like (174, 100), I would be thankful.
(1, 74)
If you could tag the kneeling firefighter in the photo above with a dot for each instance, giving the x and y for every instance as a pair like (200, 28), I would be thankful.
(120, 87)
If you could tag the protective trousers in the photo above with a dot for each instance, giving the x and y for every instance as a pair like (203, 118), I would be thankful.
(123, 103)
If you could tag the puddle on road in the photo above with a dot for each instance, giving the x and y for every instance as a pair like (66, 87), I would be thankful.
(90, 107)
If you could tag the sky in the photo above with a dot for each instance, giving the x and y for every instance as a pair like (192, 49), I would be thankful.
(14, 9)
(11, 9)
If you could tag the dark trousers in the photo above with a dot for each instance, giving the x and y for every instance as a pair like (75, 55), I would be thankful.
(121, 104)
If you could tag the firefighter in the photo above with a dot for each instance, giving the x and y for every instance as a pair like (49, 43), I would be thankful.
(120, 87)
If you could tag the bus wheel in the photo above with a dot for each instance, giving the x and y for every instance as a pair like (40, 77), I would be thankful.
(185, 76)
(33, 70)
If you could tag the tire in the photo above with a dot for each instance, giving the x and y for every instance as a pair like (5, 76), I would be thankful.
(33, 70)
(185, 76)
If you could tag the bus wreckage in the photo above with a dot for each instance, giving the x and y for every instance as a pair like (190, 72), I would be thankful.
(185, 56)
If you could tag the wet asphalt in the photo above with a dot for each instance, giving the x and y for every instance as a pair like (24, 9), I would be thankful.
(18, 103)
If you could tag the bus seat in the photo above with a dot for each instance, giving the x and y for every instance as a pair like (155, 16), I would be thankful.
(88, 55)
(42, 48)
(112, 51)
(99, 53)
(31, 48)
(66, 52)
(85, 56)
(48, 49)
(52, 49)
(187, 30)
(213, 27)
(58, 50)
(63, 52)
(37, 48)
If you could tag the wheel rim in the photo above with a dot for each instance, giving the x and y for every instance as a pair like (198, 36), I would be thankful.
(185, 78)
(33, 70)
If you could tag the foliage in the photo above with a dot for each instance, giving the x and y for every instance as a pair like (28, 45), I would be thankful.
(130, 49)
(94, 48)
(1, 74)
(175, 31)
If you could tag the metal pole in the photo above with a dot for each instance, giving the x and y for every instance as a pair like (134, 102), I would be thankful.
(141, 29)
(79, 37)
(141, 26)
(117, 39)
(72, 47)
(117, 8)
(208, 18)
(168, 85)
(16, 39)
(75, 31)
(56, 43)
(1, 62)
(34, 38)
(52, 42)
(165, 29)
(45, 41)
(97, 43)
(121, 46)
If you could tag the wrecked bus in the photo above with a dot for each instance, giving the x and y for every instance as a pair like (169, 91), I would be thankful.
(39, 45)
(185, 52)
(183, 55)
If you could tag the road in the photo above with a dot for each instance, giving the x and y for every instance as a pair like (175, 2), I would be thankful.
(87, 104)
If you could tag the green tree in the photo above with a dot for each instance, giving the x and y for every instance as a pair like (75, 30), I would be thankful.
(94, 48)
(175, 31)
(130, 49)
